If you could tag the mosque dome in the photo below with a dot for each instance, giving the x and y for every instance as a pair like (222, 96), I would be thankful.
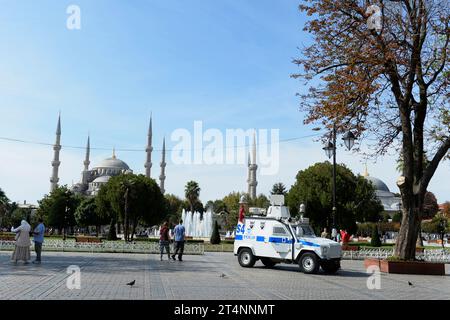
(113, 163)
(378, 184)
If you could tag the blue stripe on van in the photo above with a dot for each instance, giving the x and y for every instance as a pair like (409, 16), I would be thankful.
(238, 237)
(260, 238)
(307, 243)
(279, 240)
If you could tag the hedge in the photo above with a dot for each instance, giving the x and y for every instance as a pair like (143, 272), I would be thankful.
(365, 229)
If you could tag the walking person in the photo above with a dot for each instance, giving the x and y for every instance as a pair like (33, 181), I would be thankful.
(164, 240)
(23, 243)
(179, 233)
(38, 236)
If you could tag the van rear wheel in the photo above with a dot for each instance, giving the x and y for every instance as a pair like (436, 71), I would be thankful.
(246, 258)
(309, 263)
(268, 263)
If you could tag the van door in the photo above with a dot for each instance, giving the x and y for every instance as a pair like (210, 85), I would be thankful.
(281, 240)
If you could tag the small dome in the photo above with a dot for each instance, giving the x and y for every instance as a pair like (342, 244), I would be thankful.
(378, 184)
(102, 179)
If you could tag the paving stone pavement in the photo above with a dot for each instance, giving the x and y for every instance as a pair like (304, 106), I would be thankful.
(213, 276)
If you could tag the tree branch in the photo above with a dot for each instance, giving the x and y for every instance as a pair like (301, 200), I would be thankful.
(432, 166)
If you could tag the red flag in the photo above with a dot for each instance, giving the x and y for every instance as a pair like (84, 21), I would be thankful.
(241, 213)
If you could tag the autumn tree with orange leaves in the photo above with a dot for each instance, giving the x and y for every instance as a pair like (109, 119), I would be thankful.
(381, 69)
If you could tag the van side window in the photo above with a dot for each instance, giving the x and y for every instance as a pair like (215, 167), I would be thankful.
(279, 231)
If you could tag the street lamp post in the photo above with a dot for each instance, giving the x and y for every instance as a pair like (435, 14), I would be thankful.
(330, 150)
(302, 209)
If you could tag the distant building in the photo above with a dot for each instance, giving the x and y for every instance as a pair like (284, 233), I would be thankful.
(391, 203)
(93, 179)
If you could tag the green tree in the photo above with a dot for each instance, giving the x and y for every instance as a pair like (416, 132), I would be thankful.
(87, 214)
(261, 201)
(20, 214)
(174, 207)
(446, 209)
(229, 207)
(217, 206)
(397, 217)
(430, 206)
(215, 236)
(192, 193)
(4, 208)
(313, 187)
(231, 203)
(389, 83)
(366, 206)
(58, 208)
(279, 188)
(197, 206)
(105, 211)
(375, 240)
(135, 199)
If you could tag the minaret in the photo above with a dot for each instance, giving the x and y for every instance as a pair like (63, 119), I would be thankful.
(86, 162)
(366, 172)
(149, 149)
(249, 176)
(55, 163)
(253, 168)
(162, 177)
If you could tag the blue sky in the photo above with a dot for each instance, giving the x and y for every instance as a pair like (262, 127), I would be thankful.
(225, 62)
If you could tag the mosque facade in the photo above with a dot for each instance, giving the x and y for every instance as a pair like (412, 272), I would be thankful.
(92, 179)
(391, 203)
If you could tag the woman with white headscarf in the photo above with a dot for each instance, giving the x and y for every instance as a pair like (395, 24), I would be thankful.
(23, 243)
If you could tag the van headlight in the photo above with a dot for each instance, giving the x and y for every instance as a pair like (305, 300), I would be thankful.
(324, 250)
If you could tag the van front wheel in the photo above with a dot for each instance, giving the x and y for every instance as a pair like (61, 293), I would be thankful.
(246, 258)
(331, 266)
(309, 263)
(268, 263)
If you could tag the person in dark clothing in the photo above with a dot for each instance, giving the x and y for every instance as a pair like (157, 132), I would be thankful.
(164, 240)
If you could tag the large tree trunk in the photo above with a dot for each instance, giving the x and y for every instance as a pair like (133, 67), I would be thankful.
(405, 247)
(419, 242)
(126, 222)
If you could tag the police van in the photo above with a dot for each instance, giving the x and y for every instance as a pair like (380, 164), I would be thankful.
(277, 238)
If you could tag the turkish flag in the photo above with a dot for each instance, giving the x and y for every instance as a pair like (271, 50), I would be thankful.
(241, 214)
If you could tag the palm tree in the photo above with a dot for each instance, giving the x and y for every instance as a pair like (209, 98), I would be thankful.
(278, 188)
(192, 193)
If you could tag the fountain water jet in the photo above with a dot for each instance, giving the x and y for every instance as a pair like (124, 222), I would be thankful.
(197, 227)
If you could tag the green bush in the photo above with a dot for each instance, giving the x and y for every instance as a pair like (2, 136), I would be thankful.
(397, 217)
(215, 237)
(386, 217)
(365, 229)
(375, 241)
(112, 234)
(435, 225)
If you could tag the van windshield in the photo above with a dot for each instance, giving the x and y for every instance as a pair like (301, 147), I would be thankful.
(305, 229)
